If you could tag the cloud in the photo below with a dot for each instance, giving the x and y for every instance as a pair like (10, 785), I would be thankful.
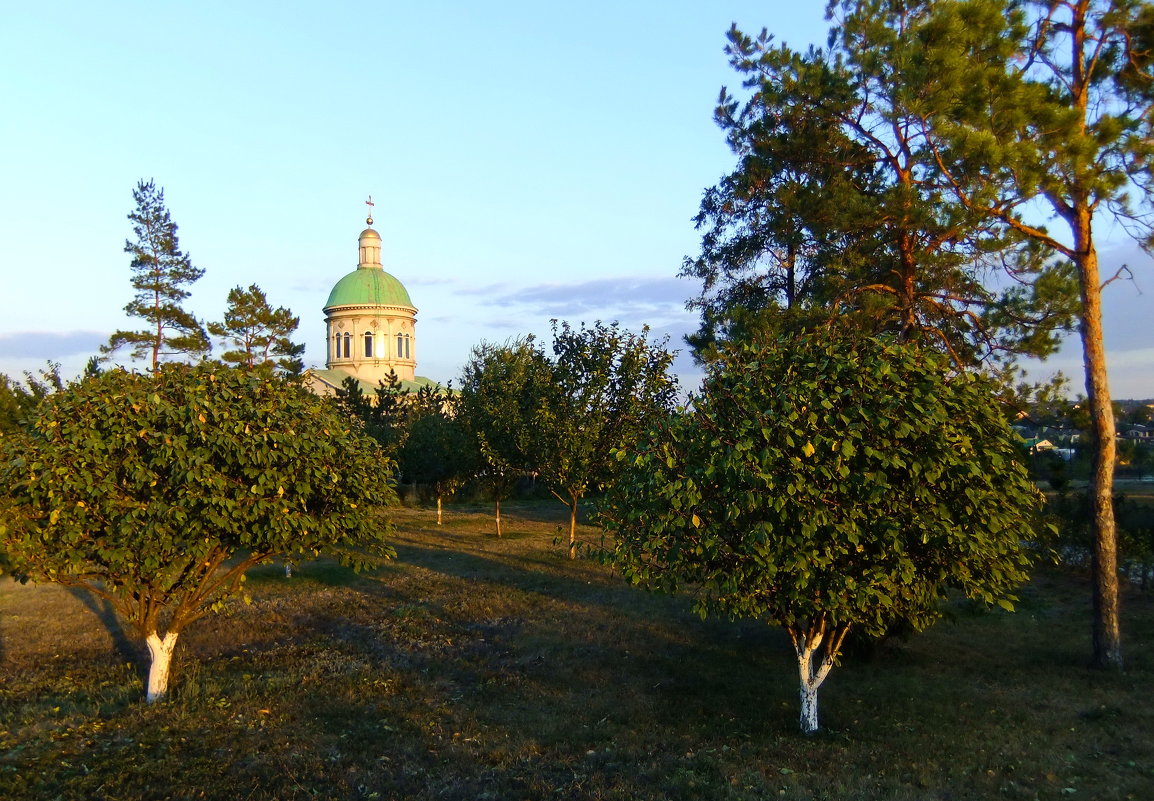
(315, 285)
(500, 310)
(50, 344)
(430, 280)
(488, 290)
(629, 299)
(627, 291)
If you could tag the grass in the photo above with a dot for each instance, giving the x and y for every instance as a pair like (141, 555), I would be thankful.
(1143, 490)
(474, 668)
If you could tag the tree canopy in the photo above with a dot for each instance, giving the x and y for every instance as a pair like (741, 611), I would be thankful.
(838, 206)
(260, 336)
(438, 450)
(559, 418)
(607, 386)
(385, 415)
(503, 390)
(850, 491)
(18, 400)
(157, 492)
(160, 273)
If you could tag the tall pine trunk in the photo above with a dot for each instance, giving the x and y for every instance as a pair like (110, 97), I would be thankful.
(1107, 635)
(159, 330)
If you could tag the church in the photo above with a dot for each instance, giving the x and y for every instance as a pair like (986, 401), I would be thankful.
(370, 326)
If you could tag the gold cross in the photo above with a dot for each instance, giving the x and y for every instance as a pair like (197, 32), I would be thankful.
(370, 204)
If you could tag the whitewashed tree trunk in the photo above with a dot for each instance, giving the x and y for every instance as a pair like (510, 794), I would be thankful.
(808, 708)
(161, 652)
(438, 509)
(812, 671)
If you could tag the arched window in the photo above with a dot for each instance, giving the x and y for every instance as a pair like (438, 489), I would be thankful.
(407, 350)
(348, 345)
(368, 344)
(336, 346)
(400, 345)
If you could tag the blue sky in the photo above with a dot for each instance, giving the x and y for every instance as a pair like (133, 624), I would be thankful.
(528, 161)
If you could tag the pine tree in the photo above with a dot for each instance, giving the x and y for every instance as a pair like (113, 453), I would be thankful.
(260, 334)
(386, 415)
(1062, 116)
(837, 206)
(160, 271)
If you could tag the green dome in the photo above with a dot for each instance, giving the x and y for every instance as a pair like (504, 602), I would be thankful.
(369, 287)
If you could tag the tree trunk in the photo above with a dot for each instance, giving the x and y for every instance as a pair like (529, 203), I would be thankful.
(573, 527)
(438, 508)
(159, 327)
(498, 517)
(1107, 635)
(808, 709)
(790, 275)
(161, 653)
(813, 666)
(811, 675)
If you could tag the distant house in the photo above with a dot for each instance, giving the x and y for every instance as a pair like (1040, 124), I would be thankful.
(1138, 432)
(1037, 445)
(1058, 435)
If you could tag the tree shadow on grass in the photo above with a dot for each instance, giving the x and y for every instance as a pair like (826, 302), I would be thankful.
(126, 649)
(594, 630)
(556, 578)
(491, 676)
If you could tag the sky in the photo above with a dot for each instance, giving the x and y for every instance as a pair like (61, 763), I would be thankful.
(527, 161)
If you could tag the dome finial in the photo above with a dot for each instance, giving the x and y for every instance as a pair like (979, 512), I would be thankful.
(370, 204)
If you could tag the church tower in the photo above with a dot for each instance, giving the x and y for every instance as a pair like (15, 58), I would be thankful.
(370, 325)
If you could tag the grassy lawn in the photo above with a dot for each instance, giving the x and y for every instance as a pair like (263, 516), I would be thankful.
(1132, 488)
(476, 668)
